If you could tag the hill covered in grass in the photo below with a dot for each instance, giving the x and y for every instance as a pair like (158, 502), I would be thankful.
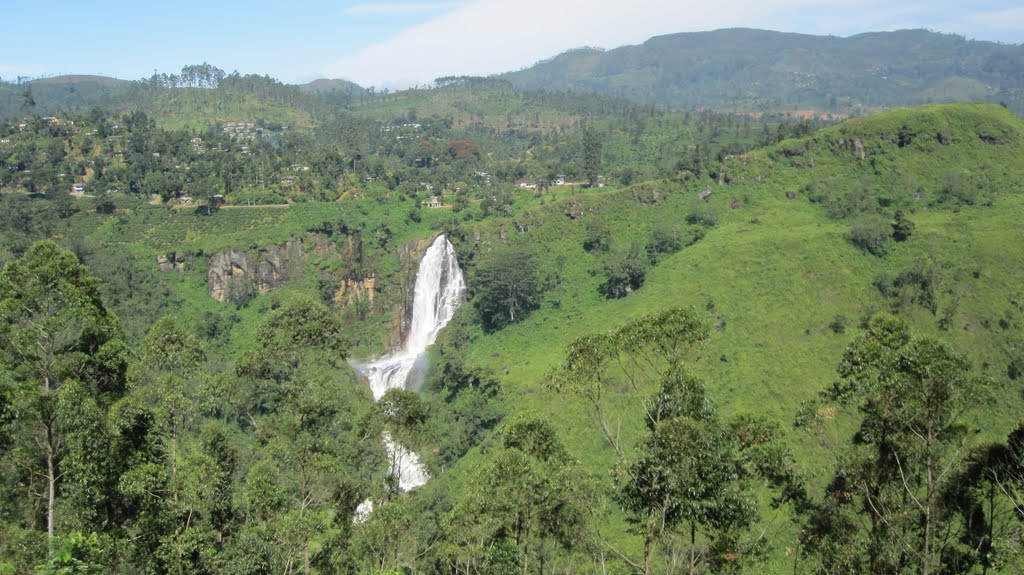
(780, 279)
(744, 69)
(784, 253)
(778, 262)
(197, 97)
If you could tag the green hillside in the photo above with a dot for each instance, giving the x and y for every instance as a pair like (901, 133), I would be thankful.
(199, 96)
(781, 284)
(231, 437)
(743, 69)
(774, 272)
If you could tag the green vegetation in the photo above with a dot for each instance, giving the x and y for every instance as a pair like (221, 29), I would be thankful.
(742, 69)
(507, 288)
(911, 394)
(616, 395)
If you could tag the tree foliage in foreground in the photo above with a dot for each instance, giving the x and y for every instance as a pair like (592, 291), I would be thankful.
(63, 361)
(148, 461)
(888, 507)
(528, 501)
(686, 487)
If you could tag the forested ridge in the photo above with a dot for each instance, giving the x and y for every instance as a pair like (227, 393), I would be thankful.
(744, 69)
(694, 342)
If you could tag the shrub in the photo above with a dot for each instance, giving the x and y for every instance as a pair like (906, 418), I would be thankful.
(624, 273)
(703, 215)
(913, 286)
(871, 233)
(665, 239)
(902, 228)
(838, 324)
(597, 237)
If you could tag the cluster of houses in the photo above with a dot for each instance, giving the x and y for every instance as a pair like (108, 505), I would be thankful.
(240, 130)
(78, 190)
(531, 184)
(409, 126)
(434, 201)
(288, 180)
(412, 126)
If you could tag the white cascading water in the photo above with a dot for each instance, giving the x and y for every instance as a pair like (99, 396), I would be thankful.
(439, 290)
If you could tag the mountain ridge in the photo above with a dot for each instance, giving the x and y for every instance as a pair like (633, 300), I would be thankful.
(751, 69)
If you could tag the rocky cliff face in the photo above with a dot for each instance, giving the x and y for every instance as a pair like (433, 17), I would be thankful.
(235, 276)
(173, 262)
(355, 292)
(409, 255)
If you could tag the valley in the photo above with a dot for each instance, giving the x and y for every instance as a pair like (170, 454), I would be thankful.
(671, 336)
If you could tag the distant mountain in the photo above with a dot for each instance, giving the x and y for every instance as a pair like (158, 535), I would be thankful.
(177, 101)
(64, 93)
(331, 85)
(744, 69)
(81, 80)
(333, 91)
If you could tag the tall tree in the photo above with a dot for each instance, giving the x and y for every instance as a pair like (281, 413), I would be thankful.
(641, 352)
(164, 480)
(507, 287)
(911, 396)
(592, 145)
(302, 401)
(688, 477)
(529, 497)
(54, 330)
(986, 500)
(691, 479)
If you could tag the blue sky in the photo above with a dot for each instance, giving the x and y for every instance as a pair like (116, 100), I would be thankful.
(401, 43)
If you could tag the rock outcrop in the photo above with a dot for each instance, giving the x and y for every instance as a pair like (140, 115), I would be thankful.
(173, 262)
(356, 291)
(235, 276)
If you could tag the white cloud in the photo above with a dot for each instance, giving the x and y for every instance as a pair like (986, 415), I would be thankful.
(397, 8)
(17, 70)
(874, 16)
(1010, 19)
(489, 36)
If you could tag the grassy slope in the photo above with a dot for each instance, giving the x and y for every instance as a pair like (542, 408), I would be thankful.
(778, 271)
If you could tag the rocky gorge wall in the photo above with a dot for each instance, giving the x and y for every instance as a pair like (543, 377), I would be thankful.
(236, 276)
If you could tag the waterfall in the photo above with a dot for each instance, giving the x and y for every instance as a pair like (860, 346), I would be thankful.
(439, 290)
